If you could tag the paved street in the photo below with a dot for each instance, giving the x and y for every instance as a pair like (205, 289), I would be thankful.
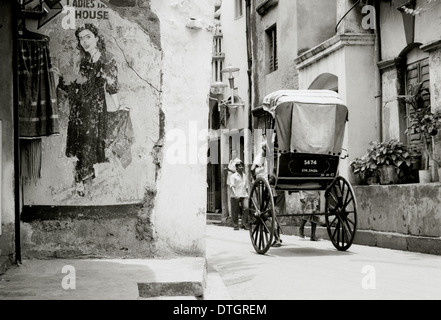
(302, 269)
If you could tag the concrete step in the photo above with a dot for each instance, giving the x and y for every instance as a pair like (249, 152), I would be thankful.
(214, 216)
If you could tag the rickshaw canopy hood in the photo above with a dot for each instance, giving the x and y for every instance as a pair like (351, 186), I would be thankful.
(308, 121)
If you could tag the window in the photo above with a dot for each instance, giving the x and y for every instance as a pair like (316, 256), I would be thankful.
(238, 9)
(417, 72)
(271, 36)
(218, 55)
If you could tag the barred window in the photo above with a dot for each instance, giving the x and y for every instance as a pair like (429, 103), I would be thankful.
(271, 35)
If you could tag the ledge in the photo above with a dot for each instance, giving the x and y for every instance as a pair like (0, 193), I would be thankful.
(46, 213)
(392, 63)
(431, 46)
(265, 6)
(333, 44)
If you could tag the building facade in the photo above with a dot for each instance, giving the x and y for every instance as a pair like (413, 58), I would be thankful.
(230, 126)
(372, 53)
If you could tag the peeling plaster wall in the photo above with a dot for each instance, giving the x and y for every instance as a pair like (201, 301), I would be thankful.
(164, 72)
(180, 206)
(139, 75)
(392, 27)
(416, 209)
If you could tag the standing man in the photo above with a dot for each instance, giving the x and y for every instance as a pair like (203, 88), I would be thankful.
(231, 168)
(239, 187)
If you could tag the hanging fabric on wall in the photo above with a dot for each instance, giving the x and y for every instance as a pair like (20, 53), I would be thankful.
(37, 100)
(30, 160)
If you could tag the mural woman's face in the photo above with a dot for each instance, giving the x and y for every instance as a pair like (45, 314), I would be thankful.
(88, 40)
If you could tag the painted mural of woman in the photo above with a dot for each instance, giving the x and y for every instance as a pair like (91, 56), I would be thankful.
(91, 128)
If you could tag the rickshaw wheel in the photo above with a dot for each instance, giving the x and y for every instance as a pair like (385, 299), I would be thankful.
(341, 213)
(262, 216)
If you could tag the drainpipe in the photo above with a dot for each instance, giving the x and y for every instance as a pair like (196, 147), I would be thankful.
(17, 207)
(378, 81)
(249, 56)
(250, 82)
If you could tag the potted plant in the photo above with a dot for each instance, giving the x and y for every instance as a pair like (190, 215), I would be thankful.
(365, 168)
(427, 124)
(357, 169)
(390, 157)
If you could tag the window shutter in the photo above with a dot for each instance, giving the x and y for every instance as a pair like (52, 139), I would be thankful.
(417, 72)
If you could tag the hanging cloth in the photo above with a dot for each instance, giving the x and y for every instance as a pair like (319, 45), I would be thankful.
(30, 160)
(37, 100)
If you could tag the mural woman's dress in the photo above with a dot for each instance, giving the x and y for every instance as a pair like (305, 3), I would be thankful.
(87, 126)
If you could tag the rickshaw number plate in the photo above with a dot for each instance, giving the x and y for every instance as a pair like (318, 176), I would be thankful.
(307, 165)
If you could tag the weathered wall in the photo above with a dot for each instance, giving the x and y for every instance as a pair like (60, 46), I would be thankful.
(392, 27)
(406, 209)
(323, 15)
(180, 206)
(7, 207)
(152, 202)
(138, 59)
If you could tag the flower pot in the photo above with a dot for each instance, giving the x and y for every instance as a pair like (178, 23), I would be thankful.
(388, 174)
(425, 176)
(372, 180)
(434, 170)
(355, 178)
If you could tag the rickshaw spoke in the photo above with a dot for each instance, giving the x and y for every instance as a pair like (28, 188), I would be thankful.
(254, 232)
(345, 204)
(336, 228)
(264, 233)
(259, 237)
(265, 199)
(258, 197)
(255, 205)
(332, 223)
(342, 233)
(351, 221)
(347, 230)
(342, 189)
(263, 236)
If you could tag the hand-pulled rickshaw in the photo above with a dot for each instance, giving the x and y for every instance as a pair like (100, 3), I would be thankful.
(309, 130)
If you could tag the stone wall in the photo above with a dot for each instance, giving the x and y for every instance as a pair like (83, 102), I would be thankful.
(413, 209)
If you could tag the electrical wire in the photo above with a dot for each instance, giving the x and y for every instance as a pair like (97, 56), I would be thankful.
(358, 1)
